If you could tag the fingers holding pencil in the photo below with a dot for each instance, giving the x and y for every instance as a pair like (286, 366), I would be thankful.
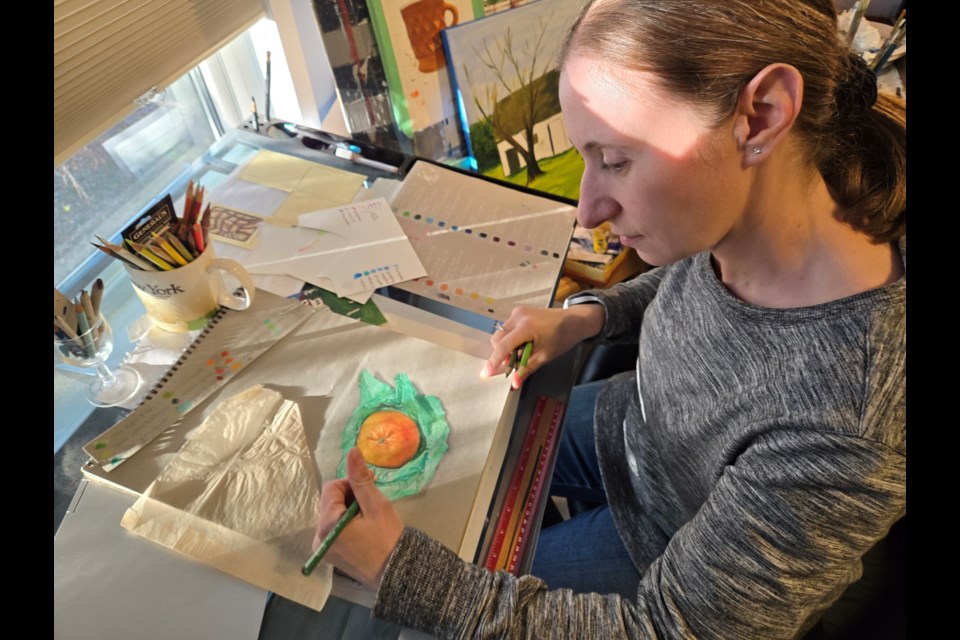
(361, 542)
(518, 345)
(513, 353)
(532, 336)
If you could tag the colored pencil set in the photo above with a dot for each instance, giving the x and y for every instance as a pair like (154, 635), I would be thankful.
(77, 327)
(178, 245)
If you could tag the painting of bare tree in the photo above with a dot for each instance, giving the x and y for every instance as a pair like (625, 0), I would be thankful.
(504, 69)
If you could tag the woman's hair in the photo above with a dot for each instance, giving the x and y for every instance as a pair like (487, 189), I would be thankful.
(706, 51)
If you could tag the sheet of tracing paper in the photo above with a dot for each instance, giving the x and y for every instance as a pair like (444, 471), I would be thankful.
(286, 412)
(241, 496)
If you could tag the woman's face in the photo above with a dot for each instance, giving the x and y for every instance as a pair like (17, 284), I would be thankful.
(670, 184)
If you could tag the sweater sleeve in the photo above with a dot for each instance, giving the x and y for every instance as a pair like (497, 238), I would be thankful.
(776, 542)
(624, 304)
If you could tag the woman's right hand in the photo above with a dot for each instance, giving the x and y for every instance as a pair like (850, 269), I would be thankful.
(552, 331)
(365, 545)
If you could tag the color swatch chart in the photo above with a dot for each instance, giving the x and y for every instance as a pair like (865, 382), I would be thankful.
(485, 248)
(231, 341)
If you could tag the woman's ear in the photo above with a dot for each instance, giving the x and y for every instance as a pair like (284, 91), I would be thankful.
(766, 111)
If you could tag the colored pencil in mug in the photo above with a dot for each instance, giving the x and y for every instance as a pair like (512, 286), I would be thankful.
(146, 253)
(184, 251)
(123, 254)
(169, 249)
(187, 201)
(154, 246)
(198, 237)
(205, 226)
(117, 256)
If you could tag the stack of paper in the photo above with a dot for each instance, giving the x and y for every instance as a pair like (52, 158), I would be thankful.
(350, 250)
(290, 221)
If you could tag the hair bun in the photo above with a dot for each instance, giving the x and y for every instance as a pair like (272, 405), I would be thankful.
(857, 91)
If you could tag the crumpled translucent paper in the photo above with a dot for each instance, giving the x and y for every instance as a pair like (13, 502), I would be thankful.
(425, 410)
(242, 496)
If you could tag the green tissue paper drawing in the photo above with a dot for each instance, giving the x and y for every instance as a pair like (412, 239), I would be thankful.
(401, 433)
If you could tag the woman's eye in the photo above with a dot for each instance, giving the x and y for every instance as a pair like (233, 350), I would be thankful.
(613, 167)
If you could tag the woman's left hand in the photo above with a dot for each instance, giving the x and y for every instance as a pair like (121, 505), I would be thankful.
(365, 545)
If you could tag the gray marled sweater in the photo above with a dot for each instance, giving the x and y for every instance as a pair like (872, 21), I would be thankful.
(750, 462)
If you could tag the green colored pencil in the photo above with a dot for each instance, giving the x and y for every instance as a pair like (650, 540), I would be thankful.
(527, 350)
(328, 541)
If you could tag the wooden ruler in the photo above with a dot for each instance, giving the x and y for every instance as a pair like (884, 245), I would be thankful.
(537, 487)
(526, 486)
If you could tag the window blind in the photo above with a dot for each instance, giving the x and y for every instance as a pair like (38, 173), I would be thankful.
(108, 53)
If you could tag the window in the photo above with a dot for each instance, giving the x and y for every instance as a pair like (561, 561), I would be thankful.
(101, 188)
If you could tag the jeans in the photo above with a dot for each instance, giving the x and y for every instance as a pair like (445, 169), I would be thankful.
(584, 553)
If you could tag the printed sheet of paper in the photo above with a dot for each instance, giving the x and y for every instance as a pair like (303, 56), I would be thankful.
(279, 188)
(358, 247)
(278, 284)
(485, 248)
(241, 496)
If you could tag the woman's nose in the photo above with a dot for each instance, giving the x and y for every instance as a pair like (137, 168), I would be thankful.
(595, 206)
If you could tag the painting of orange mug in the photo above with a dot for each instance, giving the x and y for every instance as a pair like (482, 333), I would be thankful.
(424, 20)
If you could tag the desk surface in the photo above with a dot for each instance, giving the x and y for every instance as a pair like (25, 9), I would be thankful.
(110, 583)
(70, 545)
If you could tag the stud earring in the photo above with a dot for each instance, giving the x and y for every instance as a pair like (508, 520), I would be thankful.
(757, 151)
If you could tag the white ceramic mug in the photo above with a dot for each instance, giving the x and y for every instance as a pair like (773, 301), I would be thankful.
(185, 298)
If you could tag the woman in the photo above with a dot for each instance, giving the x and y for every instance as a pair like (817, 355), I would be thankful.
(758, 451)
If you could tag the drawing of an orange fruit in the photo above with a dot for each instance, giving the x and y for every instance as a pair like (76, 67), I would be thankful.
(388, 439)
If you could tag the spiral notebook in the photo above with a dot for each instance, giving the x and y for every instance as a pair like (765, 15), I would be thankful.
(231, 341)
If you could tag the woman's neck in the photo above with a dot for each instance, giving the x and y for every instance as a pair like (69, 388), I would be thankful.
(790, 250)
